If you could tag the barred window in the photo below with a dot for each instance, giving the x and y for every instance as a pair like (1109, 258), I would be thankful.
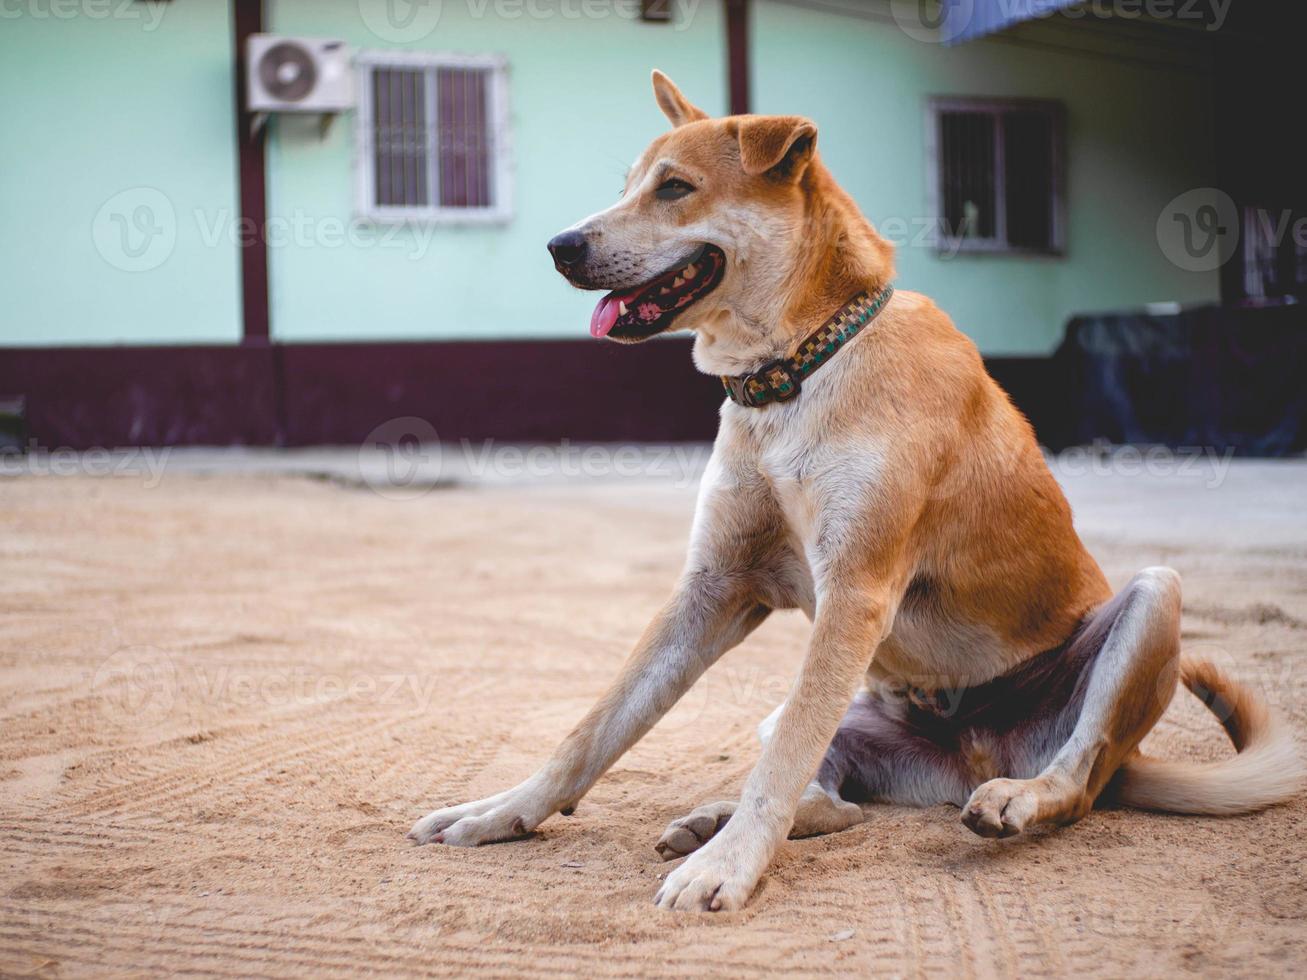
(996, 175)
(432, 139)
(1274, 259)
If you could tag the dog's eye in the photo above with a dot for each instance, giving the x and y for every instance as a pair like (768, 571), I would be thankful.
(674, 189)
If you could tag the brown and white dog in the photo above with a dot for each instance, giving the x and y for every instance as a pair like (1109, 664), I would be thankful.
(965, 648)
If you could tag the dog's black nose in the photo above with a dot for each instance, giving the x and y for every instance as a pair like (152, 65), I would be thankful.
(568, 247)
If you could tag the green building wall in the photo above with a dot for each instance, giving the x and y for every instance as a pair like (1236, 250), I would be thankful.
(130, 113)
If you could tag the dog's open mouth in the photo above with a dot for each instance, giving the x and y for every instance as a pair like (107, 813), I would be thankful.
(649, 309)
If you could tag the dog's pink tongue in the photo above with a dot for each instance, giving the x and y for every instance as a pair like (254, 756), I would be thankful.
(607, 310)
(604, 316)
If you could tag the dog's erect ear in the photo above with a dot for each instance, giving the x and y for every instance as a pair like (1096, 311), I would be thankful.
(780, 144)
(675, 106)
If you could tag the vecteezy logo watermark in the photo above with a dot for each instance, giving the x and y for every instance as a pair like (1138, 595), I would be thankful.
(400, 459)
(400, 21)
(136, 229)
(137, 685)
(1199, 230)
(933, 21)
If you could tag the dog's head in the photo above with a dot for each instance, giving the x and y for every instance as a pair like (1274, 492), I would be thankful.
(707, 226)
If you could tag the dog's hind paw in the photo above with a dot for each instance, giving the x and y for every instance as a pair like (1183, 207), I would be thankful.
(1001, 807)
(689, 833)
(1006, 807)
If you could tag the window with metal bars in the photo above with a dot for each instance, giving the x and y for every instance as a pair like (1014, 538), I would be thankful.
(432, 137)
(1274, 257)
(996, 175)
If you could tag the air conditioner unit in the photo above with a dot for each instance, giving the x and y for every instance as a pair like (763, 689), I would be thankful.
(297, 74)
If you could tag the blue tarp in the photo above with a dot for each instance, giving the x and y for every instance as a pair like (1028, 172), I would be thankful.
(963, 20)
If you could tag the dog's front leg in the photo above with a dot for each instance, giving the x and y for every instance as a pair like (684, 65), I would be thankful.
(710, 612)
(723, 873)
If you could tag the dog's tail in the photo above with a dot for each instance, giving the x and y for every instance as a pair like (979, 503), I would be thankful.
(1266, 770)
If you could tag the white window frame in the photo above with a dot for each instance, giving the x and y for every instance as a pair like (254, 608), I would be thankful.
(948, 244)
(501, 173)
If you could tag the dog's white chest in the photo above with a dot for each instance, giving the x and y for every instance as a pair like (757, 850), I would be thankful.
(787, 470)
(820, 488)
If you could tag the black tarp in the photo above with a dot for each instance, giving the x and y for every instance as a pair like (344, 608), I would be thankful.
(1231, 378)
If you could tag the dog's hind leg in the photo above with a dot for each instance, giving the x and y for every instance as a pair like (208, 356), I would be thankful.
(1122, 694)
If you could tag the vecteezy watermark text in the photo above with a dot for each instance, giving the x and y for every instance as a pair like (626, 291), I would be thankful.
(138, 229)
(943, 21)
(403, 459)
(145, 461)
(405, 21)
(144, 685)
(149, 14)
(1102, 458)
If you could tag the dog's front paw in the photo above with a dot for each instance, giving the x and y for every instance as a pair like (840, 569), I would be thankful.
(498, 818)
(713, 879)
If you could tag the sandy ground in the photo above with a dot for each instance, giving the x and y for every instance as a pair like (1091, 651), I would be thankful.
(227, 693)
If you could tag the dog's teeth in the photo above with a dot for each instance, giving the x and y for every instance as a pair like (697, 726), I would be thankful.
(689, 271)
(665, 290)
(678, 282)
(621, 308)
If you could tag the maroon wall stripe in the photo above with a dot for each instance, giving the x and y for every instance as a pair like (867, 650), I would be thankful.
(513, 390)
(247, 19)
(737, 54)
(84, 397)
(336, 394)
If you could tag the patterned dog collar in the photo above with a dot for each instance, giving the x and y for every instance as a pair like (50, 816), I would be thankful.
(780, 381)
